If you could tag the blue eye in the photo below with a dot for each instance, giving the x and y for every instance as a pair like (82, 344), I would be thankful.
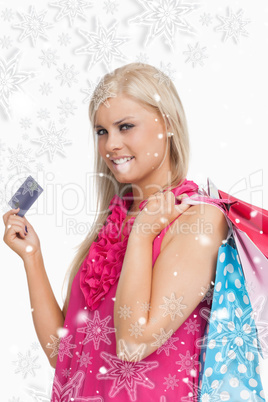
(122, 125)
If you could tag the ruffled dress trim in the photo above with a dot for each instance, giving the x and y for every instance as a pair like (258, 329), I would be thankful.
(102, 266)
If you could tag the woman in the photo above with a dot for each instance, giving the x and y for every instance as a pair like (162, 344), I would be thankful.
(130, 319)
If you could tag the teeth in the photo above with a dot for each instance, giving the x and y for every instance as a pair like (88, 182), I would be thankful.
(122, 160)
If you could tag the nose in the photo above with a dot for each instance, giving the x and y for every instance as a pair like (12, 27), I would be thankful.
(114, 141)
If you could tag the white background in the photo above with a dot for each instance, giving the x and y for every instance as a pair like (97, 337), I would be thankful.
(225, 101)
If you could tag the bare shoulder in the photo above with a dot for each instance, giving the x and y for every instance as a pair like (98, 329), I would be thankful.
(191, 253)
(202, 220)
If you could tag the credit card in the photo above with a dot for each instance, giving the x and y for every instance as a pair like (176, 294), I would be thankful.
(26, 195)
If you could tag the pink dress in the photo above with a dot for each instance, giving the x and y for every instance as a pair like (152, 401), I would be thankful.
(88, 368)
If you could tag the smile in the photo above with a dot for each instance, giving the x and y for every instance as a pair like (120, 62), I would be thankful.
(123, 166)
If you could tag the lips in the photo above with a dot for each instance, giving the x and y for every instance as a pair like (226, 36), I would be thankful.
(123, 167)
(124, 162)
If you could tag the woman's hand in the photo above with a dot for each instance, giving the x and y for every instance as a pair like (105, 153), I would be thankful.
(159, 211)
(23, 243)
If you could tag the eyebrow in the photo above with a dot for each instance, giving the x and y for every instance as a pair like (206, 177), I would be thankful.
(116, 122)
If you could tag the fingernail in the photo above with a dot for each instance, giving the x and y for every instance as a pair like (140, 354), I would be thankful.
(26, 229)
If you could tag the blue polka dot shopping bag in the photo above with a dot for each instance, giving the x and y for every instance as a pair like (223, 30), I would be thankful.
(237, 322)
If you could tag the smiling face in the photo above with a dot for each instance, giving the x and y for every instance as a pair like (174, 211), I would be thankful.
(143, 135)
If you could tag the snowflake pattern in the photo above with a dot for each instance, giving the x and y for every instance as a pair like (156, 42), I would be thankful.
(191, 326)
(52, 141)
(71, 9)
(67, 75)
(164, 74)
(43, 114)
(96, 330)
(70, 390)
(25, 123)
(207, 293)
(20, 158)
(7, 14)
(196, 54)
(84, 359)
(145, 307)
(11, 80)
(173, 306)
(204, 392)
(164, 17)
(49, 57)
(261, 326)
(136, 329)
(233, 25)
(102, 44)
(39, 166)
(33, 25)
(35, 345)
(6, 42)
(205, 19)
(167, 345)
(101, 94)
(171, 381)
(29, 186)
(61, 346)
(64, 39)
(187, 362)
(45, 88)
(125, 312)
(26, 364)
(247, 288)
(235, 331)
(142, 58)
(67, 107)
(39, 395)
(110, 6)
(127, 374)
(162, 338)
(66, 372)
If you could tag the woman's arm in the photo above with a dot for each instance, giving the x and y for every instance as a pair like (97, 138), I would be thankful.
(47, 315)
(173, 289)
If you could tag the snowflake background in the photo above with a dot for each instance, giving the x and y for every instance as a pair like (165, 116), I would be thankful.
(51, 58)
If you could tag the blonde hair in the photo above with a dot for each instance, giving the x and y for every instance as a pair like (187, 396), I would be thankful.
(141, 83)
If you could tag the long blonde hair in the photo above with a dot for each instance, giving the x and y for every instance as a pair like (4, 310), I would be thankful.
(141, 82)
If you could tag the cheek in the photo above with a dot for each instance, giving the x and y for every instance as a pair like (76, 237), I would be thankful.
(101, 149)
